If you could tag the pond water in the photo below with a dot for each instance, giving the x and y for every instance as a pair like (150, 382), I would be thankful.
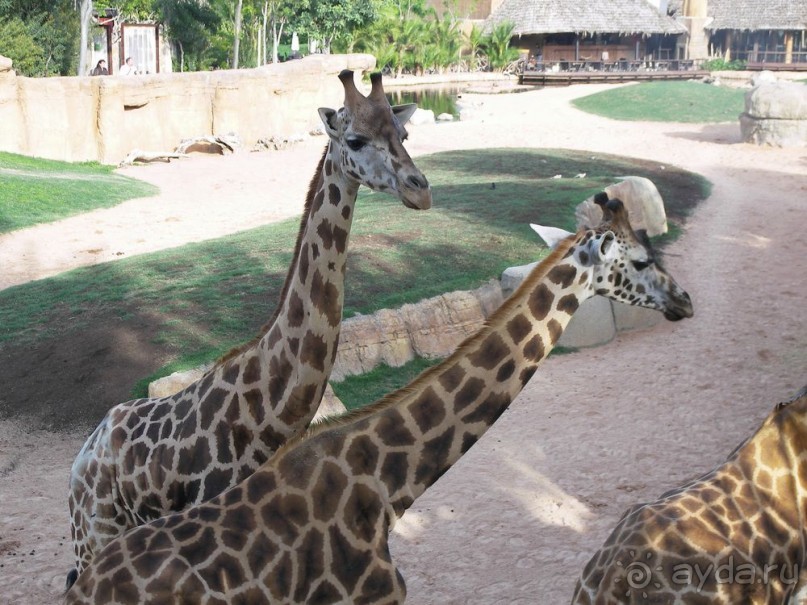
(440, 99)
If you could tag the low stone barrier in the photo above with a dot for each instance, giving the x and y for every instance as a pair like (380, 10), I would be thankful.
(775, 114)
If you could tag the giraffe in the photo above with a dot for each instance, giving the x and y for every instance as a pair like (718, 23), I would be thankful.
(312, 524)
(734, 535)
(149, 457)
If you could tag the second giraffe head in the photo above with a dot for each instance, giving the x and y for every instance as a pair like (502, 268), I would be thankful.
(370, 135)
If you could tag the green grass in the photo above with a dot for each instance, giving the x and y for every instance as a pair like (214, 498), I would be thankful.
(666, 102)
(33, 190)
(195, 302)
(358, 391)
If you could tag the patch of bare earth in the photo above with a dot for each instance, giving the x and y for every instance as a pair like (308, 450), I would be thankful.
(594, 432)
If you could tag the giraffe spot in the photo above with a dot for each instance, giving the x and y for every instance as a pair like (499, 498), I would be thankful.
(506, 371)
(272, 439)
(303, 264)
(279, 581)
(260, 484)
(236, 525)
(377, 585)
(110, 559)
(314, 252)
(489, 410)
(328, 167)
(451, 378)
(197, 551)
(326, 297)
(242, 437)
(280, 370)
(324, 594)
(340, 239)
(562, 275)
(334, 194)
(254, 404)
(427, 410)
(468, 440)
(230, 373)
(469, 392)
(216, 480)
(526, 374)
(319, 198)
(584, 257)
(204, 386)
(187, 426)
(315, 351)
(325, 232)
(284, 515)
(146, 564)
(182, 409)
(167, 429)
(349, 563)
(555, 330)
(302, 400)
(540, 301)
(346, 212)
(518, 328)
(391, 429)
(223, 573)
(260, 554)
(490, 353)
(362, 512)
(328, 490)
(294, 346)
(195, 458)
(362, 456)
(310, 564)
(210, 405)
(434, 458)
(167, 582)
(534, 349)
(296, 310)
(394, 471)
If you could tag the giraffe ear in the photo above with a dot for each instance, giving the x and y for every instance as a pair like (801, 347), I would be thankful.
(602, 247)
(551, 235)
(328, 117)
(404, 112)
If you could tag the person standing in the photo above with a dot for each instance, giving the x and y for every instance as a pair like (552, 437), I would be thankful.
(127, 69)
(100, 69)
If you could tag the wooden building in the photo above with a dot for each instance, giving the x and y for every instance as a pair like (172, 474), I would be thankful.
(610, 30)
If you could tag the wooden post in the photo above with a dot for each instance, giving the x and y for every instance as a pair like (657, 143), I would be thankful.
(788, 47)
(727, 54)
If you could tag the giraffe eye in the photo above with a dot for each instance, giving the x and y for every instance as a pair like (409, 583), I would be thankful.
(640, 265)
(355, 143)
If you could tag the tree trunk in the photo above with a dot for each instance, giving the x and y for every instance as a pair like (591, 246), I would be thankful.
(85, 14)
(265, 18)
(237, 42)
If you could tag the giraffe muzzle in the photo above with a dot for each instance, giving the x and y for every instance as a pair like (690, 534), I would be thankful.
(416, 193)
(679, 309)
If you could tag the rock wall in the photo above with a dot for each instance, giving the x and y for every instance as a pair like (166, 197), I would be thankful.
(104, 118)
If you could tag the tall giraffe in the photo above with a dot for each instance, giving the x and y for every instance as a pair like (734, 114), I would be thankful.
(312, 525)
(734, 535)
(150, 457)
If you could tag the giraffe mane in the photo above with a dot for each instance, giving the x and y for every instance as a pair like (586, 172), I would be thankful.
(309, 200)
(390, 399)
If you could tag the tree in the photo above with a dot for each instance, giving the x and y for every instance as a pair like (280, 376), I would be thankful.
(85, 16)
(497, 45)
(190, 25)
(239, 6)
(324, 20)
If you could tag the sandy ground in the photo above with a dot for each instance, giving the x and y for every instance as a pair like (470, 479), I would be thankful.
(594, 432)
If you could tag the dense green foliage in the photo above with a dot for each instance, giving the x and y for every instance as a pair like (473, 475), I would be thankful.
(42, 37)
(36, 191)
(666, 102)
(723, 65)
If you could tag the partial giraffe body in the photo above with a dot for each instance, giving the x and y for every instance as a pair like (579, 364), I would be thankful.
(312, 525)
(150, 457)
(734, 536)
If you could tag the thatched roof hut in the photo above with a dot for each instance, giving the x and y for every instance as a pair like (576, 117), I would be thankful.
(626, 17)
(756, 15)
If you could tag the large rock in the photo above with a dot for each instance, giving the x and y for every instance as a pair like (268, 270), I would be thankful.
(642, 201)
(5, 64)
(775, 114)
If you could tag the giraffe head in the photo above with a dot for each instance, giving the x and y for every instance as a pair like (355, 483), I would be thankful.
(368, 135)
(623, 262)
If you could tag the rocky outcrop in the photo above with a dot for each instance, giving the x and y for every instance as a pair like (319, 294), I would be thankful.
(775, 114)
(430, 328)
(642, 200)
(104, 118)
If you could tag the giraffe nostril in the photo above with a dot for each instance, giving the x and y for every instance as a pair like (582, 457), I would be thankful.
(417, 182)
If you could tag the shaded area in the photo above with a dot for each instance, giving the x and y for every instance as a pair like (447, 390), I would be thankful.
(76, 344)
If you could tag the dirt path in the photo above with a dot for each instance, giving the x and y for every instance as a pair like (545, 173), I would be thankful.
(594, 432)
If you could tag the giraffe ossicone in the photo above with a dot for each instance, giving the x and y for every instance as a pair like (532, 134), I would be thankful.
(312, 524)
(734, 535)
(151, 457)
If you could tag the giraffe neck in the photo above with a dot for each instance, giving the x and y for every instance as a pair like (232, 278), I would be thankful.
(297, 348)
(427, 426)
